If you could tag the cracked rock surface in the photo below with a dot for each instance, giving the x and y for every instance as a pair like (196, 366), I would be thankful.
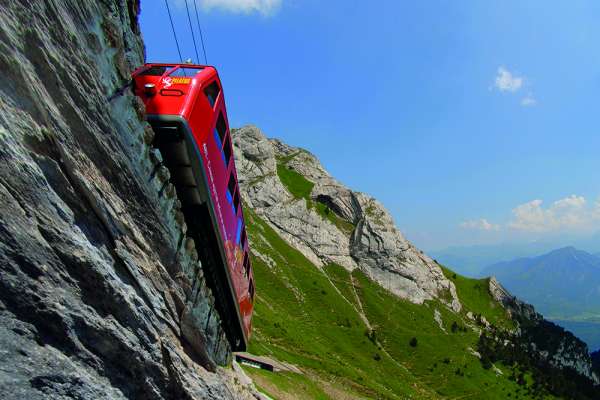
(370, 240)
(95, 270)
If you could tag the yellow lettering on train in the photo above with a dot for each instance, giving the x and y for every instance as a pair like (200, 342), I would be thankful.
(182, 81)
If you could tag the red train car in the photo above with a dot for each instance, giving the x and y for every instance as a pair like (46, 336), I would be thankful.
(186, 107)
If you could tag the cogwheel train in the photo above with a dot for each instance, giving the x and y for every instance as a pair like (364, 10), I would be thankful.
(186, 108)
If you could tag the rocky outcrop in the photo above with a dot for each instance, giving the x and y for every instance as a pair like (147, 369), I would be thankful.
(101, 293)
(515, 307)
(543, 339)
(359, 234)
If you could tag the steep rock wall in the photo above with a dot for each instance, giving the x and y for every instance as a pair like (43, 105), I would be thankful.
(101, 293)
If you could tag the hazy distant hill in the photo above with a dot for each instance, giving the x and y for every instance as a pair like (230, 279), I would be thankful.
(471, 260)
(564, 285)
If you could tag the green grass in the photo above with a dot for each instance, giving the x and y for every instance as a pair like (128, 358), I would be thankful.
(310, 317)
(285, 384)
(326, 213)
(475, 297)
(300, 318)
(441, 360)
(343, 282)
(300, 188)
(296, 184)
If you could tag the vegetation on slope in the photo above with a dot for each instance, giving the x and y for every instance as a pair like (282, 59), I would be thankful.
(296, 184)
(353, 339)
(300, 188)
(475, 296)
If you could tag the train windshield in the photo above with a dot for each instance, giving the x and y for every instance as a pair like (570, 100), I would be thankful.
(186, 72)
(156, 70)
(159, 70)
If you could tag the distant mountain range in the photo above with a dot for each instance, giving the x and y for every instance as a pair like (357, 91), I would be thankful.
(471, 260)
(563, 284)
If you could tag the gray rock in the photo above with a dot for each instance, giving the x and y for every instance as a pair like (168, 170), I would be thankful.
(545, 340)
(372, 242)
(94, 274)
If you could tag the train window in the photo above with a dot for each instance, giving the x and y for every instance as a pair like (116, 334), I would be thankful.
(251, 290)
(227, 149)
(243, 240)
(231, 185)
(186, 72)
(238, 235)
(221, 127)
(156, 70)
(220, 131)
(236, 200)
(231, 192)
(246, 264)
(212, 92)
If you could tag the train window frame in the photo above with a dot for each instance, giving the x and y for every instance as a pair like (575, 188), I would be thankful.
(221, 127)
(240, 229)
(246, 265)
(236, 200)
(153, 70)
(212, 92)
(220, 134)
(186, 72)
(232, 188)
(227, 149)
(251, 290)
(231, 185)
(244, 238)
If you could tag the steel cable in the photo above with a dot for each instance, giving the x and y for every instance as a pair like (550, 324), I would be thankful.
(200, 30)
(192, 30)
(173, 29)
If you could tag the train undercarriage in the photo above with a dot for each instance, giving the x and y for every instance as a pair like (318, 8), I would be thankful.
(180, 156)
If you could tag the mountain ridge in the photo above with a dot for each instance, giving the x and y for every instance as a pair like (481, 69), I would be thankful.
(298, 213)
(563, 284)
(358, 233)
(571, 275)
(471, 260)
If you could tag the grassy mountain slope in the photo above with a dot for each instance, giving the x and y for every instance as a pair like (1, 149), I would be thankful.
(352, 339)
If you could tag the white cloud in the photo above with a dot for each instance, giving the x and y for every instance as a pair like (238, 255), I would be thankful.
(529, 100)
(480, 225)
(264, 7)
(568, 214)
(506, 81)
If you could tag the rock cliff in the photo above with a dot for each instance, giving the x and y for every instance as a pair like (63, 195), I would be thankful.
(101, 294)
(333, 224)
(545, 341)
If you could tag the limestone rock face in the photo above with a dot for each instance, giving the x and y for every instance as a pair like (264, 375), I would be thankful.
(101, 294)
(359, 234)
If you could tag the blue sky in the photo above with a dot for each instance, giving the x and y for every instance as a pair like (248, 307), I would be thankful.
(472, 121)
